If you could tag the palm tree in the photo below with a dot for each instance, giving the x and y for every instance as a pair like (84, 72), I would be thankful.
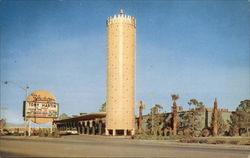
(174, 98)
(141, 106)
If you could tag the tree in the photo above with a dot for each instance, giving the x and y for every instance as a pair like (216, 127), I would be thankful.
(174, 115)
(240, 119)
(141, 106)
(197, 103)
(2, 123)
(222, 126)
(103, 107)
(191, 119)
(233, 124)
(63, 116)
(154, 122)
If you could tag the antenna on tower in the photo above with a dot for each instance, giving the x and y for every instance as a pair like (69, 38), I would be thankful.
(121, 11)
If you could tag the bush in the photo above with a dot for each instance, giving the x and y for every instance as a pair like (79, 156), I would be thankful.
(180, 133)
(234, 142)
(197, 133)
(35, 132)
(194, 141)
(56, 134)
(189, 140)
(187, 132)
(244, 142)
(212, 142)
(203, 141)
(15, 133)
(220, 141)
(43, 132)
(183, 140)
(205, 133)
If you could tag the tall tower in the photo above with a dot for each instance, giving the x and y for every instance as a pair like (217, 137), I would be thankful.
(120, 119)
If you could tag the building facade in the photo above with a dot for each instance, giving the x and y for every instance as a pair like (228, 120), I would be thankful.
(120, 119)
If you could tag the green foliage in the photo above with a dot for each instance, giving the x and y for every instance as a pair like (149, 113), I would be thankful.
(175, 97)
(205, 132)
(222, 126)
(63, 116)
(240, 119)
(197, 103)
(155, 121)
(2, 123)
(213, 140)
(46, 132)
(191, 119)
(103, 107)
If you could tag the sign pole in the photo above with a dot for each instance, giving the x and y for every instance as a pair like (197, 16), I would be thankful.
(25, 127)
(25, 118)
(51, 128)
(29, 126)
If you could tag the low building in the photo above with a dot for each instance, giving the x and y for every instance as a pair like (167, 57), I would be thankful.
(95, 123)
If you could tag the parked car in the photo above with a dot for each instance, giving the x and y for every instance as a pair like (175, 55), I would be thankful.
(4, 132)
(74, 131)
(71, 131)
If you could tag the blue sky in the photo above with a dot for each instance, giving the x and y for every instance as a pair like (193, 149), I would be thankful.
(198, 49)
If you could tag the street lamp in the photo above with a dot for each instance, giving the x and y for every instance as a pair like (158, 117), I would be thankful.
(24, 88)
(26, 95)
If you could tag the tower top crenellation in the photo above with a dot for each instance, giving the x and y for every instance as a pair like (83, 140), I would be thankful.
(121, 11)
(121, 18)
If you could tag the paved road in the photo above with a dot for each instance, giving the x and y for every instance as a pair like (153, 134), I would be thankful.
(98, 146)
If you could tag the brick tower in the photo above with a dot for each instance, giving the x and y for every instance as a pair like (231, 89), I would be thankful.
(120, 119)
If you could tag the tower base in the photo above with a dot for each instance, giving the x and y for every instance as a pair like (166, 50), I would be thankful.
(119, 132)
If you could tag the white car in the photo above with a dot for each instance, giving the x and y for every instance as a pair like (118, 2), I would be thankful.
(74, 131)
(71, 131)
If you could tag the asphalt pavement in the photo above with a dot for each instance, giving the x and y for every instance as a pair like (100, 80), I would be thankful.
(101, 146)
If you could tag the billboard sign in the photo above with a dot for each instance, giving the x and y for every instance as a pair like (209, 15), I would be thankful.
(40, 110)
(40, 107)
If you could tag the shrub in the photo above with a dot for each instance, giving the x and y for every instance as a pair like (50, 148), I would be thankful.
(205, 133)
(55, 133)
(212, 142)
(234, 142)
(180, 133)
(43, 132)
(189, 140)
(197, 133)
(183, 140)
(187, 132)
(194, 141)
(244, 142)
(220, 141)
(35, 132)
(203, 141)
